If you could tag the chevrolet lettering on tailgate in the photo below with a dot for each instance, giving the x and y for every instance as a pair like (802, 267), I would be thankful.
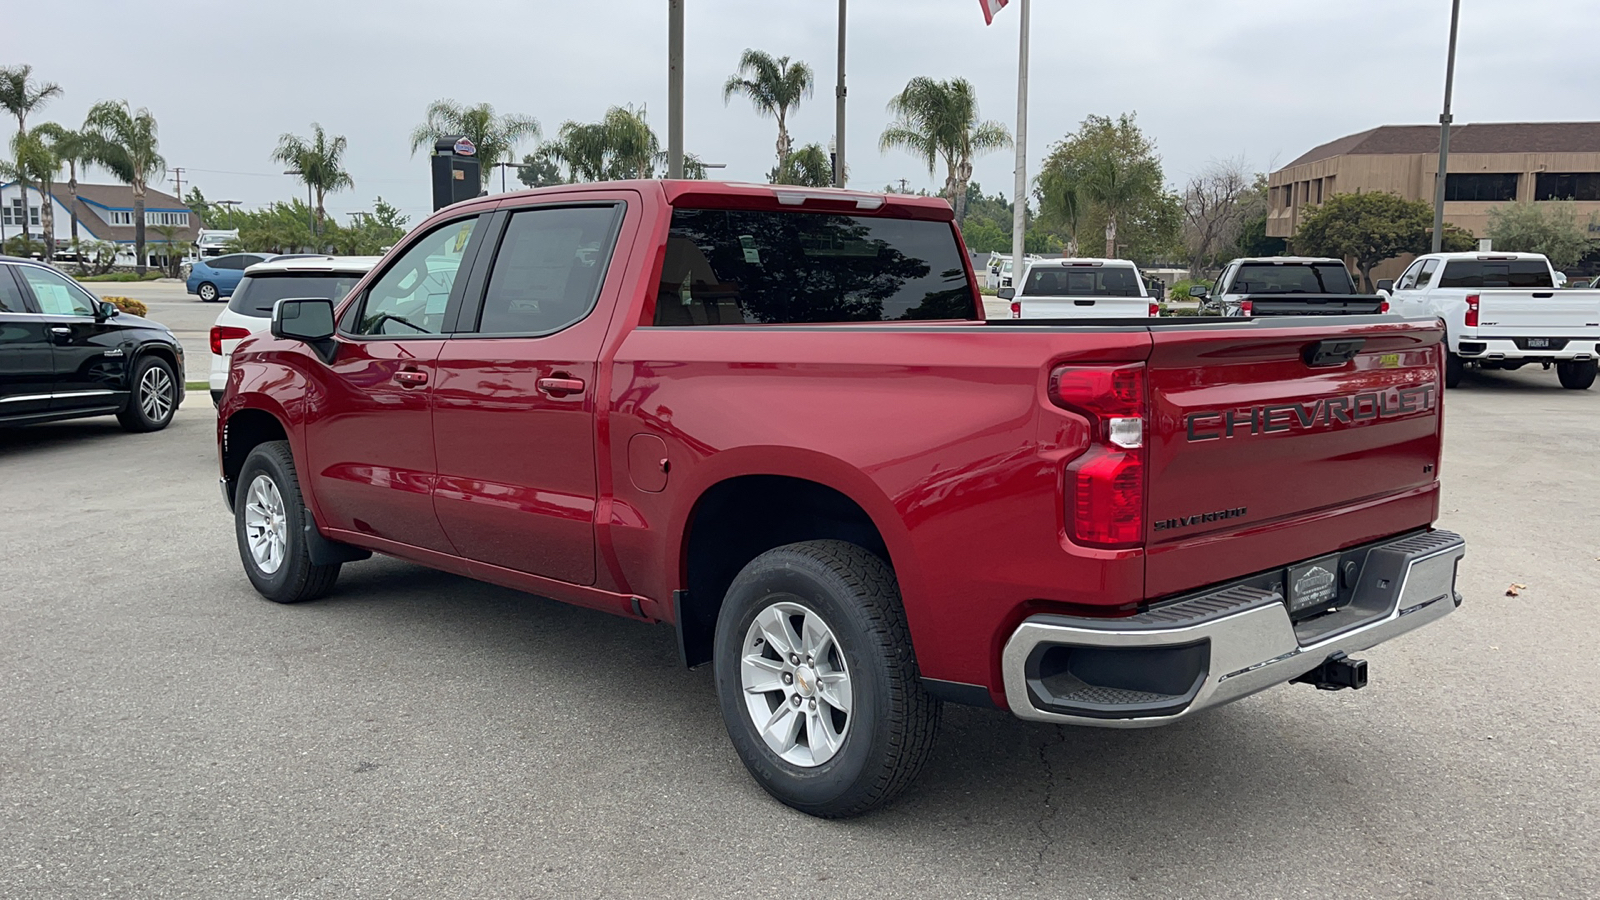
(1351, 409)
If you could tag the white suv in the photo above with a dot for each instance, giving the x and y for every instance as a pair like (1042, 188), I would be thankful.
(264, 284)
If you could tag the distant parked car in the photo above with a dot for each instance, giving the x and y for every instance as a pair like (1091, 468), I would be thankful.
(264, 284)
(67, 354)
(215, 278)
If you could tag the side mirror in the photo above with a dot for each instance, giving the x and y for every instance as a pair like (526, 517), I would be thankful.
(1386, 285)
(107, 310)
(1007, 293)
(307, 319)
(1199, 290)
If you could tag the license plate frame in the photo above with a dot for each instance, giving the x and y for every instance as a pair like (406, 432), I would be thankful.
(1312, 587)
(1538, 343)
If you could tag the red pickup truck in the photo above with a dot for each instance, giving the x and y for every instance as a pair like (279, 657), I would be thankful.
(776, 419)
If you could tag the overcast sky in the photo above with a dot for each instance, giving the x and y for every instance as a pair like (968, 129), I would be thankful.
(1209, 79)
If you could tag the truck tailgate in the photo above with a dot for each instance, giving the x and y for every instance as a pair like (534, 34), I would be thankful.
(1513, 313)
(1314, 304)
(1261, 454)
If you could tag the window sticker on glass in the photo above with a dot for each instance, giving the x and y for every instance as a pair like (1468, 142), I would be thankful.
(751, 254)
(462, 235)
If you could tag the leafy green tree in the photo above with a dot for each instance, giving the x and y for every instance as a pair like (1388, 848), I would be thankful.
(20, 95)
(388, 217)
(173, 249)
(984, 236)
(775, 87)
(276, 228)
(538, 170)
(1551, 228)
(320, 162)
(125, 142)
(810, 166)
(1107, 173)
(72, 149)
(1253, 240)
(619, 146)
(201, 207)
(937, 120)
(494, 136)
(1368, 228)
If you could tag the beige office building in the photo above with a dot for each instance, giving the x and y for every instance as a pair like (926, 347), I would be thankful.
(1490, 165)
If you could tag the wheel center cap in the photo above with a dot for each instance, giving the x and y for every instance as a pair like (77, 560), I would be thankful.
(805, 678)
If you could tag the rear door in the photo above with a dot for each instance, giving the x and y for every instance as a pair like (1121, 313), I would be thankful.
(1268, 446)
(90, 353)
(514, 407)
(27, 370)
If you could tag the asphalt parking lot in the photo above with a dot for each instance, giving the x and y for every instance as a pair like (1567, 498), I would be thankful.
(165, 732)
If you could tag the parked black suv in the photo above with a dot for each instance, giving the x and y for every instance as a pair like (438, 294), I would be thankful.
(64, 354)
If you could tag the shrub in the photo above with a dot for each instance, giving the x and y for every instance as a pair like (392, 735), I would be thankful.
(128, 305)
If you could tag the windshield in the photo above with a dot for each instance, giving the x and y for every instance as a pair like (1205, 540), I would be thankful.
(1492, 273)
(1097, 281)
(1292, 278)
(256, 294)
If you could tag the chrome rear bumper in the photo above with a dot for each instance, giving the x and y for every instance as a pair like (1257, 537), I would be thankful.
(1215, 647)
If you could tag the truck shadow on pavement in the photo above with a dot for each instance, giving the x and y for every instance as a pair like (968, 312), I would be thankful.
(996, 787)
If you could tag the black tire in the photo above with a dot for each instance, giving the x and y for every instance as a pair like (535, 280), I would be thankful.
(1454, 367)
(207, 292)
(296, 577)
(893, 720)
(1577, 375)
(152, 396)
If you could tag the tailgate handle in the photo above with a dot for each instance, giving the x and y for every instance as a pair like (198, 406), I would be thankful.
(1542, 296)
(1333, 352)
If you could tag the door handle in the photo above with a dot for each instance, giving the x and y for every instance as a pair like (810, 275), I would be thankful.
(560, 387)
(61, 330)
(411, 378)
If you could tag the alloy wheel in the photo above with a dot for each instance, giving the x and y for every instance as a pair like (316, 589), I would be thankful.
(265, 524)
(156, 394)
(796, 684)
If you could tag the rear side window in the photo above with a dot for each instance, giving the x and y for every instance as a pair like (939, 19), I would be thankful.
(257, 293)
(1316, 278)
(1487, 273)
(1066, 281)
(736, 267)
(548, 270)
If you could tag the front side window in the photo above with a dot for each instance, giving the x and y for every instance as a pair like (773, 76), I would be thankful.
(410, 298)
(10, 296)
(736, 267)
(548, 270)
(57, 295)
(1408, 280)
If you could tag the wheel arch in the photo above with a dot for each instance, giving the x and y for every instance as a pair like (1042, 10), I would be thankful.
(242, 431)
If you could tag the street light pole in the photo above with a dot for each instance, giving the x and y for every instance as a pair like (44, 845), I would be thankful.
(1020, 199)
(839, 94)
(675, 88)
(1444, 132)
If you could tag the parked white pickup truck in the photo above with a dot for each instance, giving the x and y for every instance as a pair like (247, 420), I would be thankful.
(1081, 289)
(1503, 311)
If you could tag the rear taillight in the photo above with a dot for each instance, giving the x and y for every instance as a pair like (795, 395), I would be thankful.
(1383, 306)
(1105, 485)
(1016, 309)
(220, 333)
(1472, 310)
(1155, 310)
(1245, 307)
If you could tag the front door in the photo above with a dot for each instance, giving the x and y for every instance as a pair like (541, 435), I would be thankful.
(27, 370)
(369, 421)
(91, 357)
(514, 410)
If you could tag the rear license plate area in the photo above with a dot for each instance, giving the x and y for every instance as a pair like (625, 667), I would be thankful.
(1538, 343)
(1312, 588)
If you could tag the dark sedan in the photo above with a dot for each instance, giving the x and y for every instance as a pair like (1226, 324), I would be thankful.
(64, 354)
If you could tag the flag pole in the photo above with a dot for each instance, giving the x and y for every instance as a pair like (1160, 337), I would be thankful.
(675, 88)
(1020, 198)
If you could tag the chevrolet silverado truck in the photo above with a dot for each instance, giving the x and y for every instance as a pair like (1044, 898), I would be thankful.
(1288, 286)
(1503, 311)
(775, 419)
(1081, 289)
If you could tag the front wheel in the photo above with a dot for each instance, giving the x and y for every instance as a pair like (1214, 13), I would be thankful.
(1577, 375)
(153, 397)
(207, 292)
(817, 680)
(270, 525)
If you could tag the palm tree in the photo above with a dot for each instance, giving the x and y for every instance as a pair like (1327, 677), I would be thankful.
(939, 119)
(19, 96)
(1116, 185)
(124, 141)
(320, 162)
(36, 162)
(71, 148)
(774, 86)
(809, 166)
(494, 136)
(1061, 197)
(619, 146)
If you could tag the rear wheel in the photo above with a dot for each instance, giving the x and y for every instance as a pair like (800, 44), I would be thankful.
(1577, 375)
(817, 680)
(1453, 369)
(270, 525)
(207, 292)
(153, 397)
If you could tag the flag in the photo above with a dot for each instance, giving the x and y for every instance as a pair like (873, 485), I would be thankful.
(990, 7)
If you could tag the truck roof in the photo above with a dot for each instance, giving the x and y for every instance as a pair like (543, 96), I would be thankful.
(1487, 254)
(684, 192)
(1287, 260)
(1081, 261)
